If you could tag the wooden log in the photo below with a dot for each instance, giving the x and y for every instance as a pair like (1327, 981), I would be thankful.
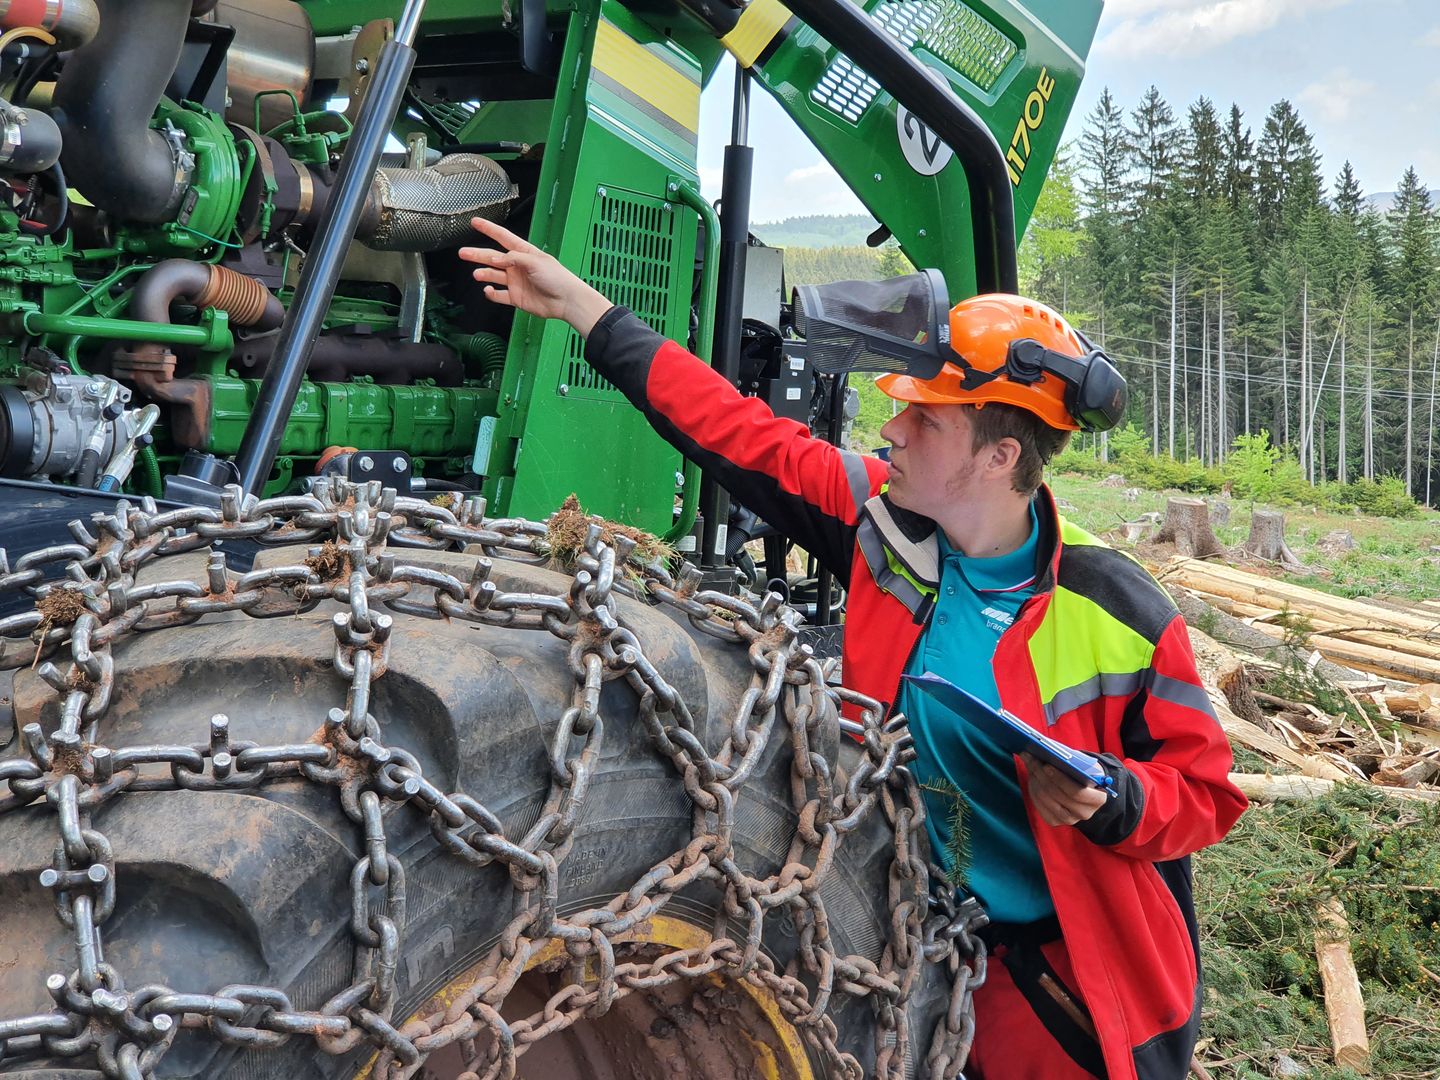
(1413, 659)
(1307, 722)
(1408, 771)
(1389, 663)
(1187, 526)
(1344, 1002)
(1413, 702)
(1250, 637)
(1264, 787)
(1267, 538)
(1274, 593)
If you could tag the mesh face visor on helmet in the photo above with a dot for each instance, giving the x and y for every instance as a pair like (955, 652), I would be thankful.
(898, 325)
(1095, 391)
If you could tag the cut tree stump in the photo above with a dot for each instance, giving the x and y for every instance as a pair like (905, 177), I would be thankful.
(1267, 538)
(1187, 526)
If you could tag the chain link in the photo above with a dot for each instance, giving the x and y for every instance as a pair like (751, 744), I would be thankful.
(77, 620)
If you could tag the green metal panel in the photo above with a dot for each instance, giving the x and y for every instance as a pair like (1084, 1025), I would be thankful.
(1006, 60)
(624, 126)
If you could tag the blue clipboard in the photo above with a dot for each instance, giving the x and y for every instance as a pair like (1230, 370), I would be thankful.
(1013, 734)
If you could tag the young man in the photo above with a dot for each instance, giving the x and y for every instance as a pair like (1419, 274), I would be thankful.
(957, 562)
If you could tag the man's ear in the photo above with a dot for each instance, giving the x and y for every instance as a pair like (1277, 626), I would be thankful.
(1002, 456)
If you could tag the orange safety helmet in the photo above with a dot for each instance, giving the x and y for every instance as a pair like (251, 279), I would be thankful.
(982, 330)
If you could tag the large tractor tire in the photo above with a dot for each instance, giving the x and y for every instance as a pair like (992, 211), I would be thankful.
(383, 808)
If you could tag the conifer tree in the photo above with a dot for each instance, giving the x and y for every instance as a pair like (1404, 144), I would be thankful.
(1105, 158)
(1152, 140)
(1348, 196)
(1204, 163)
(1238, 148)
(1412, 237)
(1287, 170)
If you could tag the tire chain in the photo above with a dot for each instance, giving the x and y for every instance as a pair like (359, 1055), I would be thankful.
(129, 1031)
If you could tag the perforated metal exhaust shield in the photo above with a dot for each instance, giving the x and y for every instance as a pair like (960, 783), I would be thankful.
(427, 209)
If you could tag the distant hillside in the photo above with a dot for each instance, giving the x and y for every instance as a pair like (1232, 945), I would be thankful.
(817, 266)
(1384, 200)
(817, 231)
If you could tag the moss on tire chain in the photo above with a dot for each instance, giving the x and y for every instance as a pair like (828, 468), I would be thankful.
(243, 832)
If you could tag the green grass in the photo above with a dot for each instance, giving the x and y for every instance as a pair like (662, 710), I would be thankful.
(1392, 557)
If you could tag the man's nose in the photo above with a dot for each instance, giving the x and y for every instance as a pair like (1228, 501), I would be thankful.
(891, 430)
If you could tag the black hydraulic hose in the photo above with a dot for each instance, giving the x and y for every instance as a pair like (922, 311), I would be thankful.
(826, 581)
(992, 203)
(103, 104)
(33, 72)
(334, 234)
(89, 468)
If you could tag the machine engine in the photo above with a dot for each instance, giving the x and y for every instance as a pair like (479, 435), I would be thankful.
(165, 165)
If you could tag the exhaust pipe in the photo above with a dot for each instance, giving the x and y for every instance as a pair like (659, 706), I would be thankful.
(104, 102)
(29, 140)
(73, 22)
(151, 366)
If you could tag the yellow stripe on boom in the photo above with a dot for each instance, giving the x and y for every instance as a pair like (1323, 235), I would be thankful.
(670, 90)
(757, 27)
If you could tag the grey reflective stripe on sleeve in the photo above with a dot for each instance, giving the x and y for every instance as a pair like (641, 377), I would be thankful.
(858, 477)
(1124, 683)
(1179, 692)
(1105, 684)
(872, 547)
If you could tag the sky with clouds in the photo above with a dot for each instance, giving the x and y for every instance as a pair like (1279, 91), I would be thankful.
(1365, 75)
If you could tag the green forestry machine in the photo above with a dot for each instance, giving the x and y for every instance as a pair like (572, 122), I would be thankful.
(319, 756)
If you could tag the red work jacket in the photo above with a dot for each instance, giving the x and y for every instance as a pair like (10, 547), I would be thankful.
(1099, 658)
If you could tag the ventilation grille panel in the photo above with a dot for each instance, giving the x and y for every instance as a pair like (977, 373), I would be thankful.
(955, 33)
(631, 261)
(966, 40)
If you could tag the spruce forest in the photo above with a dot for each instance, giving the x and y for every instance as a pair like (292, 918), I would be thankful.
(1246, 290)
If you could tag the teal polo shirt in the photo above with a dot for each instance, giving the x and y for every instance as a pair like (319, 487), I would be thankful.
(977, 601)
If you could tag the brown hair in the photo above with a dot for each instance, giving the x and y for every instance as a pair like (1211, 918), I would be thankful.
(1039, 442)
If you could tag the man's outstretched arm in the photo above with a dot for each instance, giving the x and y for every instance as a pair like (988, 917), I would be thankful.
(803, 486)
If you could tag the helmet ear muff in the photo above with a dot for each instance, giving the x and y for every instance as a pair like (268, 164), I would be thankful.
(1099, 401)
(1095, 391)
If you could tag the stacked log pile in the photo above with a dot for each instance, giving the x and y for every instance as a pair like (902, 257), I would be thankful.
(1399, 642)
(1383, 724)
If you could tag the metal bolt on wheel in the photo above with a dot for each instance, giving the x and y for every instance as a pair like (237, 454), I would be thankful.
(381, 807)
